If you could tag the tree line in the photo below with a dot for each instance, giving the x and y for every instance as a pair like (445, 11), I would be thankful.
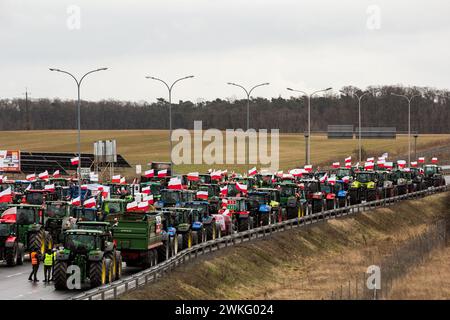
(430, 112)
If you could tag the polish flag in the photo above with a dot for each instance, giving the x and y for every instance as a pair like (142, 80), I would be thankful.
(380, 163)
(49, 187)
(216, 175)
(381, 158)
(224, 203)
(224, 191)
(324, 177)
(371, 159)
(132, 206)
(413, 164)
(421, 160)
(162, 173)
(193, 176)
(123, 180)
(348, 165)
(43, 175)
(105, 192)
(175, 183)
(146, 190)
(144, 206)
(84, 187)
(279, 173)
(6, 195)
(224, 172)
(388, 165)
(76, 201)
(149, 173)
(407, 169)
(346, 179)
(202, 195)
(434, 160)
(116, 179)
(75, 161)
(56, 174)
(308, 167)
(369, 165)
(336, 164)
(100, 188)
(332, 180)
(296, 172)
(252, 171)
(149, 199)
(90, 203)
(287, 176)
(2, 179)
(401, 164)
(348, 159)
(241, 187)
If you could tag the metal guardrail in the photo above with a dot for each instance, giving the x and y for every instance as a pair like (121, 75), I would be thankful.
(113, 290)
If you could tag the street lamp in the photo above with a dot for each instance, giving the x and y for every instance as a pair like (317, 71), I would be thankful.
(409, 99)
(308, 154)
(248, 93)
(78, 82)
(169, 88)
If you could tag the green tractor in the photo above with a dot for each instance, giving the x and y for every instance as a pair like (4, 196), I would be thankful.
(364, 187)
(29, 227)
(385, 184)
(56, 215)
(89, 251)
(433, 176)
(292, 199)
(11, 248)
(401, 181)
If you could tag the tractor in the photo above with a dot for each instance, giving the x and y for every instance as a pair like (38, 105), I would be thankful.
(292, 199)
(240, 215)
(313, 194)
(329, 195)
(207, 212)
(85, 214)
(342, 172)
(89, 251)
(400, 181)
(278, 213)
(39, 197)
(433, 176)
(364, 187)
(385, 184)
(418, 179)
(11, 248)
(258, 205)
(56, 216)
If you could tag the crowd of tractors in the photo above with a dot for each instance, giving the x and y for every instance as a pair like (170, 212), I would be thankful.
(96, 226)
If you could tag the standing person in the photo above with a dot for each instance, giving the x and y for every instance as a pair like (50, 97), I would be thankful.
(35, 257)
(48, 264)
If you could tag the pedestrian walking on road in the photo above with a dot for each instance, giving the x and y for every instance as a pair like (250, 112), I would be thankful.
(35, 260)
(48, 264)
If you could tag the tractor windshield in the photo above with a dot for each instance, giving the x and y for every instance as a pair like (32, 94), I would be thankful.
(155, 189)
(260, 198)
(26, 216)
(178, 217)
(287, 191)
(201, 207)
(4, 230)
(111, 207)
(170, 196)
(82, 242)
(84, 214)
(35, 197)
(429, 171)
(364, 177)
(325, 188)
(56, 210)
(343, 172)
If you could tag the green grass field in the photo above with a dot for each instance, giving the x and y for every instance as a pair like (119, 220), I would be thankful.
(143, 146)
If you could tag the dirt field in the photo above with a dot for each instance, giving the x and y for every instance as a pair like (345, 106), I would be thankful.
(143, 146)
(309, 263)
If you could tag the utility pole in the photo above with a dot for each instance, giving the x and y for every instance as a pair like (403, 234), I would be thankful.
(27, 112)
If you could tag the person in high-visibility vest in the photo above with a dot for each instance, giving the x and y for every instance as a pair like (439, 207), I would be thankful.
(35, 259)
(48, 264)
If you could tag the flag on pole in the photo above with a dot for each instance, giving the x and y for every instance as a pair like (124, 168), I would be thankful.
(216, 175)
(421, 160)
(224, 191)
(434, 160)
(241, 187)
(401, 164)
(413, 164)
(123, 180)
(76, 201)
(348, 165)
(43, 175)
(116, 179)
(324, 177)
(75, 161)
(308, 167)
(193, 176)
(369, 165)
(252, 171)
(146, 190)
(6, 196)
(175, 183)
(162, 173)
(31, 177)
(202, 195)
(371, 159)
(389, 165)
(49, 187)
(56, 174)
(336, 165)
(90, 203)
(348, 159)
(332, 180)
(149, 173)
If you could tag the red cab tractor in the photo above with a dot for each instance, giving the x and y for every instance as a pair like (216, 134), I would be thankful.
(329, 195)
(240, 215)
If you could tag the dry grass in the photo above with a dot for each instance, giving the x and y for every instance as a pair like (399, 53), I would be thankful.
(300, 264)
(143, 146)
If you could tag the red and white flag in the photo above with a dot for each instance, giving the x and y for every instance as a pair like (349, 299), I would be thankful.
(56, 174)
(84, 187)
(224, 172)
(252, 171)
(346, 179)
(380, 163)
(116, 179)
(202, 195)
(149, 199)
(76, 201)
(401, 164)
(348, 159)
(162, 173)
(434, 160)
(75, 161)
(175, 183)
(132, 206)
(6, 195)
(224, 191)
(348, 165)
(216, 175)
(421, 160)
(332, 180)
(44, 175)
(49, 187)
(90, 203)
(371, 159)
(123, 180)
(2, 178)
(413, 164)
(279, 173)
(324, 177)
(241, 187)
(296, 172)
(336, 164)
(389, 165)
(146, 190)
(143, 206)
(308, 167)
(149, 173)
(369, 165)
(193, 176)
(105, 192)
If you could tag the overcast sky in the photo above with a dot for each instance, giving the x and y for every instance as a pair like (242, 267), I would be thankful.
(306, 45)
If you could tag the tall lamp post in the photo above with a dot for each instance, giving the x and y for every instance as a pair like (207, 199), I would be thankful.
(169, 88)
(248, 93)
(78, 82)
(409, 99)
(309, 96)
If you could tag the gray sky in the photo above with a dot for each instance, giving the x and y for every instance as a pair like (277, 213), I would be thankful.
(306, 45)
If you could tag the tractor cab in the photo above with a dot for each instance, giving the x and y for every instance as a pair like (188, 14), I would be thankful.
(237, 209)
(56, 216)
(59, 182)
(119, 191)
(155, 188)
(342, 172)
(433, 175)
(85, 214)
(188, 225)
(114, 206)
(104, 227)
(38, 197)
(265, 179)
(212, 189)
(363, 187)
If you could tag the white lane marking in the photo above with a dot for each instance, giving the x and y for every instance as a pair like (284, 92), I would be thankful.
(16, 274)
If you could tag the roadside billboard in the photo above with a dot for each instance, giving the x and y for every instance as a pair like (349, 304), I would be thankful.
(9, 161)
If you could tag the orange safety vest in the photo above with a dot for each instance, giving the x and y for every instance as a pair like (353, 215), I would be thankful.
(34, 258)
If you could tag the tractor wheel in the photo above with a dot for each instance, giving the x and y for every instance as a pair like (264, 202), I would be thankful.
(20, 254)
(147, 260)
(36, 241)
(195, 238)
(265, 219)
(211, 231)
(60, 275)
(243, 225)
(174, 245)
(118, 265)
(164, 251)
(251, 223)
(218, 232)
(371, 195)
(111, 255)
(11, 255)
(97, 273)
(187, 240)
(180, 245)
(109, 270)
(155, 257)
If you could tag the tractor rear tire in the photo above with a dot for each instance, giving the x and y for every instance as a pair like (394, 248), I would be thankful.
(109, 271)
(164, 251)
(118, 266)
(60, 275)
(211, 233)
(35, 241)
(179, 240)
(187, 240)
(243, 224)
(97, 273)
(11, 256)
(111, 255)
